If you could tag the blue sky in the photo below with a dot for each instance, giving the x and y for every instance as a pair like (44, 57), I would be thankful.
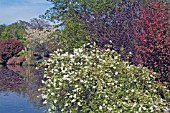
(13, 10)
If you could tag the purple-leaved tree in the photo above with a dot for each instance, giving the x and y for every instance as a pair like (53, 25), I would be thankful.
(116, 25)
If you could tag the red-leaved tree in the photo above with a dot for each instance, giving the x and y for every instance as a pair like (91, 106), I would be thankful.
(153, 34)
(9, 48)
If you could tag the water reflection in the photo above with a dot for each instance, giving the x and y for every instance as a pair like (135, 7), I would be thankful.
(22, 83)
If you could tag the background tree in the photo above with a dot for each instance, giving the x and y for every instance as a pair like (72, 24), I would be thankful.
(40, 42)
(73, 16)
(115, 25)
(2, 27)
(103, 20)
(65, 9)
(40, 24)
(14, 30)
(74, 34)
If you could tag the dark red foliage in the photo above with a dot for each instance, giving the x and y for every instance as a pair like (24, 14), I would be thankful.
(9, 48)
(153, 33)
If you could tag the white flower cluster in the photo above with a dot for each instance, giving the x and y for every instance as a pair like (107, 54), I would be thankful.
(96, 80)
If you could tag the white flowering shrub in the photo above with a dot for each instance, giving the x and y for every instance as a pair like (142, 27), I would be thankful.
(97, 81)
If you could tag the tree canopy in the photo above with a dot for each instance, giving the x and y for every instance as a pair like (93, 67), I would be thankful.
(13, 30)
(65, 9)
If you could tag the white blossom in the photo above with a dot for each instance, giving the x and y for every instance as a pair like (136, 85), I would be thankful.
(79, 104)
(52, 93)
(55, 101)
(73, 100)
(44, 96)
(100, 107)
(45, 102)
(109, 108)
(66, 104)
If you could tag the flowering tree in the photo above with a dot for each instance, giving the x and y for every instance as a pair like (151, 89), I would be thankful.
(153, 34)
(36, 37)
(40, 39)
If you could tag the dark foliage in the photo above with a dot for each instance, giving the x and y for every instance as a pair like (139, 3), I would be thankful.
(116, 25)
(40, 51)
(9, 48)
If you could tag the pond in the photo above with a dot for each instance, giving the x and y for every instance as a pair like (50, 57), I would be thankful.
(19, 90)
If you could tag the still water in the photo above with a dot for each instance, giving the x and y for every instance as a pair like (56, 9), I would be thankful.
(19, 90)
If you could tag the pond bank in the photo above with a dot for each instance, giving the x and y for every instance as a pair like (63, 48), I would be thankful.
(19, 89)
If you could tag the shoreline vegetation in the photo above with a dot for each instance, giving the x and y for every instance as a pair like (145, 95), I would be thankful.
(111, 56)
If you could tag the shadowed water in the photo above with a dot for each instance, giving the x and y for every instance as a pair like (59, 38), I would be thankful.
(19, 90)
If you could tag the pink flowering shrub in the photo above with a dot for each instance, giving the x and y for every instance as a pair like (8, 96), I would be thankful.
(153, 33)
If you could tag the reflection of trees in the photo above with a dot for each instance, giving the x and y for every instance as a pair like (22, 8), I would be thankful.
(33, 81)
(23, 80)
(11, 81)
(17, 69)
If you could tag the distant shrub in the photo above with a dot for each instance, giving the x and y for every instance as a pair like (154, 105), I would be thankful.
(153, 33)
(94, 80)
(16, 60)
(9, 48)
